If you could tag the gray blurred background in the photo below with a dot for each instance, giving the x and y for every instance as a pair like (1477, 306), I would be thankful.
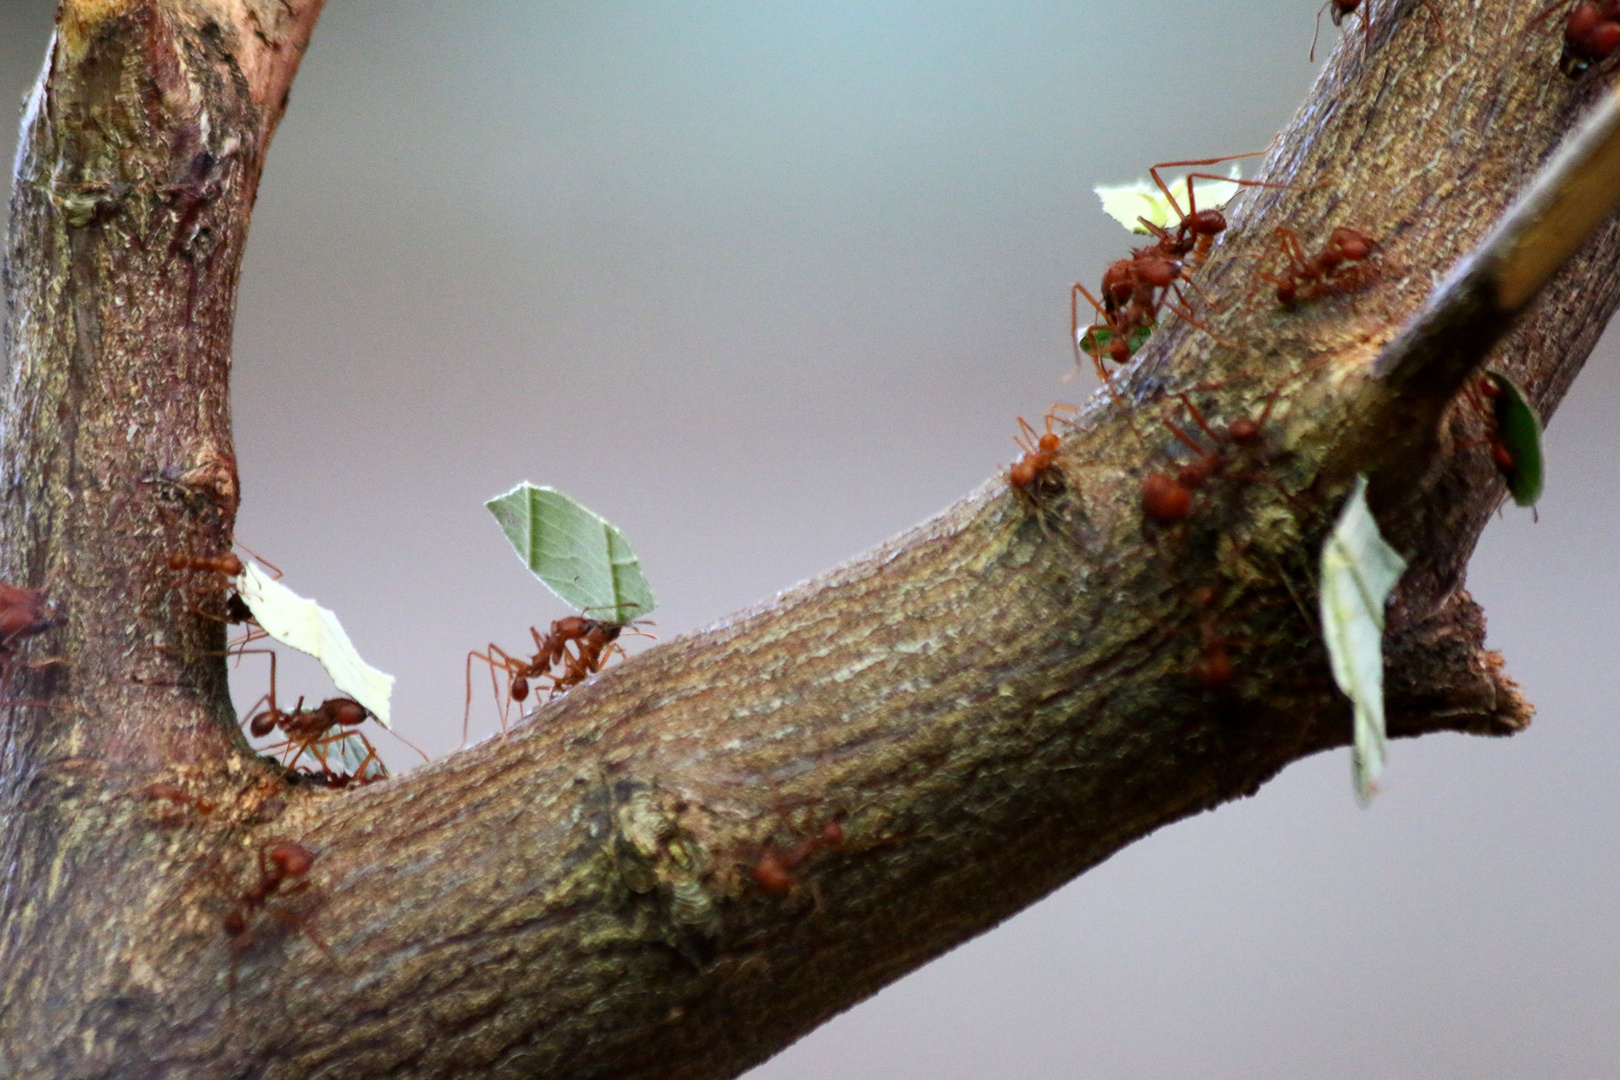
(765, 284)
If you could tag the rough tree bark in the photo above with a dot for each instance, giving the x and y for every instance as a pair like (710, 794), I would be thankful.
(989, 704)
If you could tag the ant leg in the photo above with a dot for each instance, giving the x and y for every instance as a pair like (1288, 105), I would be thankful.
(268, 565)
(1188, 440)
(1186, 313)
(1074, 326)
(407, 742)
(505, 664)
(1318, 31)
(1198, 417)
(1153, 171)
(1027, 439)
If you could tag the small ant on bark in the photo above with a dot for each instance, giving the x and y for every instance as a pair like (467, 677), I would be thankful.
(1167, 499)
(319, 732)
(773, 872)
(1591, 34)
(178, 799)
(1040, 451)
(1339, 267)
(283, 870)
(24, 613)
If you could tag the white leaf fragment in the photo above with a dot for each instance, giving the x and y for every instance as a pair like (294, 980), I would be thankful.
(1358, 571)
(306, 626)
(1126, 203)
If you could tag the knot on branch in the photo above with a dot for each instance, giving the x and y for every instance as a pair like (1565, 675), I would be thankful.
(662, 866)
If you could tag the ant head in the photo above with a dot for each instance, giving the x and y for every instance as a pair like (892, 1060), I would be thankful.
(571, 626)
(770, 875)
(1022, 475)
(264, 723)
(1119, 350)
(1588, 39)
(1582, 21)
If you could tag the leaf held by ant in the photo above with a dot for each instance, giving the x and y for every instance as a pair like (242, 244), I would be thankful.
(574, 552)
(1096, 339)
(1518, 427)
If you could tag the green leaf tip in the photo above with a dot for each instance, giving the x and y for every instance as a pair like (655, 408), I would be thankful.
(1518, 430)
(1358, 571)
(574, 552)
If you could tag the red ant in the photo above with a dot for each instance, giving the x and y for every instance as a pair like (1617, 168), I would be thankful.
(1167, 499)
(774, 871)
(1338, 9)
(227, 564)
(283, 869)
(316, 732)
(24, 613)
(1591, 34)
(1339, 267)
(177, 798)
(1136, 287)
(595, 641)
(1040, 451)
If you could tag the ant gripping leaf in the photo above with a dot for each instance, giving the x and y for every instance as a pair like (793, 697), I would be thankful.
(574, 552)
(304, 625)
(1358, 571)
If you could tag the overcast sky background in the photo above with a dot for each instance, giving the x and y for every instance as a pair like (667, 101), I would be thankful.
(765, 284)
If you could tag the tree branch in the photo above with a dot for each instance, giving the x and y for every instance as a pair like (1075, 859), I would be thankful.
(987, 705)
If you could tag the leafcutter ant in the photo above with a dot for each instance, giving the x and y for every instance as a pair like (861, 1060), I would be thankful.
(1167, 498)
(773, 872)
(1040, 451)
(1135, 288)
(594, 642)
(283, 869)
(1340, 266)
(1591, 33)
(177, 800)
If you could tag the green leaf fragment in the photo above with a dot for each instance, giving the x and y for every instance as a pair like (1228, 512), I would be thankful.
(1094, 340)
(574, 552)
(1358, 571)
(1519, 428)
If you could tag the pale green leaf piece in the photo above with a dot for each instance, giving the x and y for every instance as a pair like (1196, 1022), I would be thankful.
(302, 624)
(1128, 203)
(353, 755)
(574, 552)
(1358, 571)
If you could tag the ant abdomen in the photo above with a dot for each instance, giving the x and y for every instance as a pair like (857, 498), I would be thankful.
(1164, 499)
